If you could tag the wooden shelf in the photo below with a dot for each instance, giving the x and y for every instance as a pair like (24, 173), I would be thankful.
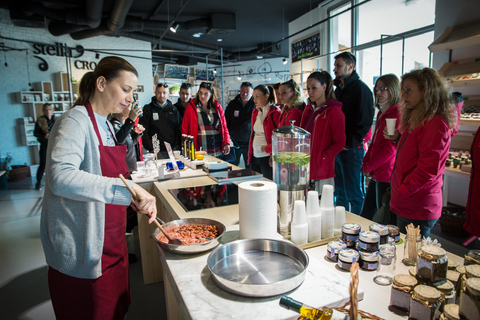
(470, 122)
(457, 37)
(462, 73)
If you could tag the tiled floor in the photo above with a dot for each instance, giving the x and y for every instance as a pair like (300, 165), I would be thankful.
(23, 272)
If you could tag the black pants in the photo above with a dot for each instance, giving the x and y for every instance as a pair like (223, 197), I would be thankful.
(243, 150)
(373, 198)
(43, 160)
(261, 165)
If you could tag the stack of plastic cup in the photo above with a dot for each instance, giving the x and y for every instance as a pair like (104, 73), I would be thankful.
(299, 225)
(314, 218)
(327, 212)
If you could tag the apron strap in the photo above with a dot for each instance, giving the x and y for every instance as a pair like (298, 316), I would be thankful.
(88, 106)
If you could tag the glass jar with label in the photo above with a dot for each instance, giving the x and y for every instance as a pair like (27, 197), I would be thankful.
(368, 241)
(402, 289)
(470, 299)
(350, 233)
(368, 260)
(424, 303)
(333, 248)
(382, 230)
(394, 232)
(346, 258)
(432, 264)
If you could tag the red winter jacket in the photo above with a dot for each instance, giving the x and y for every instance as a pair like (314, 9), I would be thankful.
(472, 224)
(269, 124)
(291, 113)
(417, 177)
(190, 122)
(328, 139)
(380, 157)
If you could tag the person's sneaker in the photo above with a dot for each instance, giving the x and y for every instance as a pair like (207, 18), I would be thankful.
(38, 186)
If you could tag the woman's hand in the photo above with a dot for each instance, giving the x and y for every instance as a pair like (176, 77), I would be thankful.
(226, 149)
(366, 174)
(139, 129)
(145, 203)
(394, 137)
(135, 111)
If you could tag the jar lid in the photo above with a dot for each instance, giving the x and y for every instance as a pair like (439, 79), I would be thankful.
(388, 246)
(453, 275)
(336, 246)
(451, 311)
(379, 228)
(369, 236)
(412, 271)
(473, 284)
(452, 264)
(393, 230)
(348, 255)
(391, 240)
(444, 286)
(404, 280)
(351, 228)
(473, 270)
(461, 269)
(291, 131)
(433, 252)
(427, 293)
(368, 256)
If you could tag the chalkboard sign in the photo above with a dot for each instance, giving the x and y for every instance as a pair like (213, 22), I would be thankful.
(201, 74)
(306, 48)
(176, 72)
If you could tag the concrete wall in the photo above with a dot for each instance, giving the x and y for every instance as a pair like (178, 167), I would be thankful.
(18, 68)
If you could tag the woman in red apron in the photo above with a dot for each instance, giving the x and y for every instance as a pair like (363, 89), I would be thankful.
(84, 218)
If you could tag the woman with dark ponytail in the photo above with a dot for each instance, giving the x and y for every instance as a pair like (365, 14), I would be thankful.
(324, 119)
(83, 218)
(265, 118)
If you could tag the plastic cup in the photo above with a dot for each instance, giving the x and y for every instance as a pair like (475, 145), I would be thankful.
(391, 126)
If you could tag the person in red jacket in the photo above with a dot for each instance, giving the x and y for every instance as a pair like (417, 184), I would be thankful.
(472, 223)
(428, 116)
(205, 121)
(324, 119)
(265, 118)
(380, 157)
(293, 105)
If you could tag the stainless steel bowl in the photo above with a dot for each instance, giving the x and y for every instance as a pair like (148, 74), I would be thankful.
(258, 267)
(191, 248)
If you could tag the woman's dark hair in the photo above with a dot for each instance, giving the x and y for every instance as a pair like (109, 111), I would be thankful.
(267, 90)
(324, 78)
(209, 87)
(109, 68)
(277, 85)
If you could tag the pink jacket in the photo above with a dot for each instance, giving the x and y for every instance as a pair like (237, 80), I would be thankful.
(269, 124)
(328, 139)
(472, 223)
(417, 177)
(190, 122)
(290, 114)
(380, 156)
(458, 108)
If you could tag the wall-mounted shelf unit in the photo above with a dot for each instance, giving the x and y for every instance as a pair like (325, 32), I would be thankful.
(462, 73)
(457, 37)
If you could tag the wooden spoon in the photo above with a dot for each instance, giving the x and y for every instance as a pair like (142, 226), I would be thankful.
(174, 241)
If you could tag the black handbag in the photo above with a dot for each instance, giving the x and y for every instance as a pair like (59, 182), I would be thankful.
(231, 156)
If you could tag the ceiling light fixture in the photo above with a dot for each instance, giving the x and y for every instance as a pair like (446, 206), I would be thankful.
(214, 71)
(239, 77)
(259, 56)
(197, 35)
(219, 40)
(174, 27)
(285, 61)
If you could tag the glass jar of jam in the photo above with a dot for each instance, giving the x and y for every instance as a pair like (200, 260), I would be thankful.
(333, 248)
(394, 232)
(472, 271)
(350, 232)
(425, 303)
(368, 260)
(450, 312)
(432, 264)
(382, 230)
(452, 264)
(447, 289)
(346, 257)
(402, 288)
(470, 299)
(369, 241)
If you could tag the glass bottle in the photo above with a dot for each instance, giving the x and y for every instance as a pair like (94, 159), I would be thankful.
(411, 249)
(306, 311)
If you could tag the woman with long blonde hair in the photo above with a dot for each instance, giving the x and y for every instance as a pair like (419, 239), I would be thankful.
(293, 104)
(428, 117)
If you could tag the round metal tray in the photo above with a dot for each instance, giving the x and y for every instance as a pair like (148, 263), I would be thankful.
(258, 267)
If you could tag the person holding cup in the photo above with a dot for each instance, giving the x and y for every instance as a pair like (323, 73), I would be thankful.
(380, 157)
(428, 117)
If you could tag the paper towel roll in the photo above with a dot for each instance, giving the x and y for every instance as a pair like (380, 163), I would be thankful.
(340, 219)
(257, 206)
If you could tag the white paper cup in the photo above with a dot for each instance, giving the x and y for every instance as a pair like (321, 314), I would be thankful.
(176, 153)
(391, 126)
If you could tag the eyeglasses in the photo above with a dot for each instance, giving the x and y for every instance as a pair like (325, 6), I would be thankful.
(381, 89)
(159, 85)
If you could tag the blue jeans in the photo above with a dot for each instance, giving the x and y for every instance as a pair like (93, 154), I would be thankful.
(373, 198)
(425, 225)
(349, 181)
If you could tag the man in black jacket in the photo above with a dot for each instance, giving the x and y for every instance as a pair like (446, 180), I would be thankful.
(239, 116)
(184, 99)
(160, 117)
(357, 101)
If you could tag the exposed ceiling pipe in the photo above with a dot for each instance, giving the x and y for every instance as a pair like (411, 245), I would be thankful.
(114, 22)
(77, 20)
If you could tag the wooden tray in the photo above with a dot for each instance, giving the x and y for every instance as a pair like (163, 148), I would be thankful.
(315, 243)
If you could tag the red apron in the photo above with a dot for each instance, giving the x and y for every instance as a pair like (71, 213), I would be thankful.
(107, 297)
